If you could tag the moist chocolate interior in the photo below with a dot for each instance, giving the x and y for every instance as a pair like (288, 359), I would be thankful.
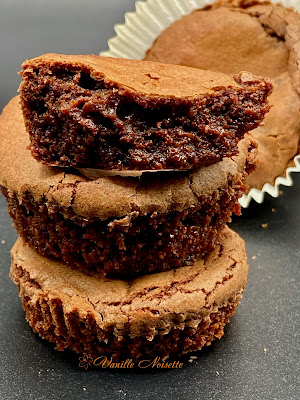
(75, 120)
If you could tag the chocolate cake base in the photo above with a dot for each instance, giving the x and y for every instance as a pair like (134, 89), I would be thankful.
(144, 244)
(165, 314)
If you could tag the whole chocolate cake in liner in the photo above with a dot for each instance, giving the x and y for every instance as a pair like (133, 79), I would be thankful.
(230, 36)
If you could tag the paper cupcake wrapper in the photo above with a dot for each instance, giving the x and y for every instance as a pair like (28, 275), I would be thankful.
(142, 27)
(93, 173)
(272, 190)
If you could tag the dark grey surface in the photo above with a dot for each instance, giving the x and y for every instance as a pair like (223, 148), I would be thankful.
(29, 28)
(258, 358)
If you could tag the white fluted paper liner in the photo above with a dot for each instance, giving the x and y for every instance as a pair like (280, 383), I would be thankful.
(93, 173)
(143, 26)
(272, 190)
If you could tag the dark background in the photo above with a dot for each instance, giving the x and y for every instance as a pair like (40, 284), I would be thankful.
(258, 358)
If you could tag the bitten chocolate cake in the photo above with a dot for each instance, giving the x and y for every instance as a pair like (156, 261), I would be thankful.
(117, 225)
(159, 315)
(259, 37)
(99, 112)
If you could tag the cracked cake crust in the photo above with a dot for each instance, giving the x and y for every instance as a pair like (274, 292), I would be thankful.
(171, 312)
(117, 114)
(268, 32)
(114, 225)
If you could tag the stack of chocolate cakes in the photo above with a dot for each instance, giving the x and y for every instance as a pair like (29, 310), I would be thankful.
(120, 177)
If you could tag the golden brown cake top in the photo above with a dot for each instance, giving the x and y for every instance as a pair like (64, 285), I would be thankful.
(104, 197)
(196, 289)
(144, 78)
(230, 36)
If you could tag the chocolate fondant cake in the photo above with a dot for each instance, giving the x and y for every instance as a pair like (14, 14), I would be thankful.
(158, 315)
(99, 112)
(117, 225)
